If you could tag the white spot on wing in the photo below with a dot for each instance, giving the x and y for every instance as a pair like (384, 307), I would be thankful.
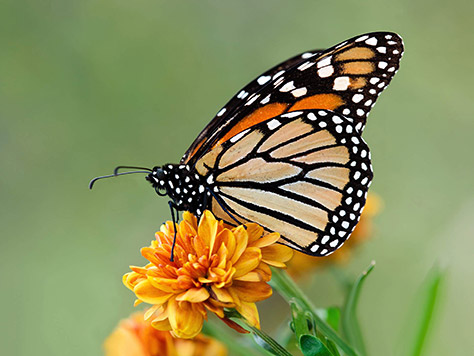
(307, 55)
(239, 136)
(324, 62)
(266, 99)
(278, 74)
(371, 41)
(341, 83)
(263, 79)
(292, 114)
(362, 38)
(305, 66)
(326, 71)
(252, 99)
(273, 124)
(242, 95)
(287, 87)
(299, 92)
(357, 98)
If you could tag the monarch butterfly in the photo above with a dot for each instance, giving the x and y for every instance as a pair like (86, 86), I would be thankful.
(286, 151)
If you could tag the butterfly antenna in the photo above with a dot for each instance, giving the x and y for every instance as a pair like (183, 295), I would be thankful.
(91, 183)
(130, 167)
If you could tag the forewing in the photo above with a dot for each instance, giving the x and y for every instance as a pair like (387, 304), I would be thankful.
(303, 174)
(231, 108)
(346, 78)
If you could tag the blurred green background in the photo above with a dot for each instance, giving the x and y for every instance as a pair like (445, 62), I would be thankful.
(88, 85)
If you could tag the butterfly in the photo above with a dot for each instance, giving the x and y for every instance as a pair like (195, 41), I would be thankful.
(286, 151)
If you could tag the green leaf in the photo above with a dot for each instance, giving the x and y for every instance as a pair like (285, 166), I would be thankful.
(312, 346)
(349, 321)
(333, 317)
(300, 320)
(422, 316)
(288, 289)
(332, 348)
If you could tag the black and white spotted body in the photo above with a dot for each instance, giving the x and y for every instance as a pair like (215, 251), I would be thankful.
(182, 185)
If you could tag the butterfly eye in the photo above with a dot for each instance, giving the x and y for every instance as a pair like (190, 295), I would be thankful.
(161, 191)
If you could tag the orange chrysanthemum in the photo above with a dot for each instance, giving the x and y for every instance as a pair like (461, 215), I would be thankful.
(301, 263)
(136, 337)
(215, 267)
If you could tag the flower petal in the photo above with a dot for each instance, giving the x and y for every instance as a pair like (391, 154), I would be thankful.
(221, 241)
(255, 232)
(252, 292)
(221, 295)
(207, 228)
(249, 311)
(241, 239)
(149, 294)
(212, 306)
(131, 279)
(274, 255)
(150, 311)
(190, 219)
(194, 295)
(169, 285)
(248, 261)
(185, 320)
(267, 240)
(163, 325)
(250, 277)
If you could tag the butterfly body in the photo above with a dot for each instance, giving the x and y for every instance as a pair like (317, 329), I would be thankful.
(182, 185)
(286, 151)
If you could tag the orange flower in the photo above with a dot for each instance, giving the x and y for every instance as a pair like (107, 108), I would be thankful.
(215, 267)
(136, 337)
(301, 263)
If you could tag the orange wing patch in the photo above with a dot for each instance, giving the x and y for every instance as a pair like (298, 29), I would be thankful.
(358, 82)
(259, 115)
(358, 68)
(355, 53)
(319, 101)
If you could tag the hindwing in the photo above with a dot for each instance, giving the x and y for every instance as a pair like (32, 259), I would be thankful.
(304, 174)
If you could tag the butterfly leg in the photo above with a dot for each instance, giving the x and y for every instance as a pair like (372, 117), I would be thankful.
(172, 209)
(223, 207)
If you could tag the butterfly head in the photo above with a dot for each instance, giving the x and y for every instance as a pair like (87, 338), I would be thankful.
(180, 184)
(158, 179)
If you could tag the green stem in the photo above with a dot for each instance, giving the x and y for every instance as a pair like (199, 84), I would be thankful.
(275, 347)
(236, 347)
(288, 289)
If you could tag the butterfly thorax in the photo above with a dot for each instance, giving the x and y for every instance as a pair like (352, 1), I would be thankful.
(181, 184)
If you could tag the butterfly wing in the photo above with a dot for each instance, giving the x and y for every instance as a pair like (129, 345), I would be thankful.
(304, 174)
(236, 102)
(346, 78)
